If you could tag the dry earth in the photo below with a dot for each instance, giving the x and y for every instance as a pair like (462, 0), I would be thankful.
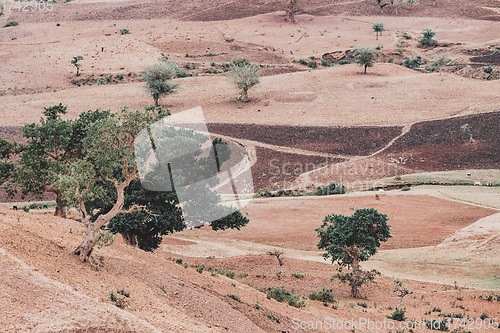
(298, 116)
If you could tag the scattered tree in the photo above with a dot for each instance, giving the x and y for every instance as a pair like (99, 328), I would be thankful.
(244, 76)
(378, 28)
(468, 131)
(75, 63)
(401, 291)
(348, 240)
(279, 255)
(365, 56)
(159, 80)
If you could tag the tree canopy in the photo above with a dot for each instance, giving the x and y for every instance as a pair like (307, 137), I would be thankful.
(159, 80)
(244, 76)
(365, 56)
(349, 240)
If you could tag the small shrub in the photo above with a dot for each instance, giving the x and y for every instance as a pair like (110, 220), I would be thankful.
(484, 316)
(303, 62)
(163, 289)
(281, 295)
(298, 275)
(257, 306)
(10, 24)
(363, 304)
(435, 309)
(124, 31)
(58, 24)
(324, 295)
(276, 319)
(488, 70)
(120, 302)
(213, 64)
(123, 292)
(398, 315)
(25, 208)
(325, 63)
(411, 62)
(102, 81)
(406, 35)
(312, 64)
(178, 261)
(33, 205)
(333, 188)
(406, 188)
(344, 62)
(235, 297)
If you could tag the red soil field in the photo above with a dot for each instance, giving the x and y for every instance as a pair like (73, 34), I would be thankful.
(415, 220)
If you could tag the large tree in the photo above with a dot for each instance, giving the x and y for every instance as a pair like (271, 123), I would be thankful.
(52, 144)
(349, 240)
(105, 185)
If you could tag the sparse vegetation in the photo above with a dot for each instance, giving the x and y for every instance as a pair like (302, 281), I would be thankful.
(10, 24)
(124, 31)
(235, 297)
(281, 295)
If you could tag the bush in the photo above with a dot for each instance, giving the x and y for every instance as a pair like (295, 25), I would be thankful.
(33, 205)
(398, 315)
(324, 295)
(276, 319)
(178, 261)
(344, 62)
(123, 292)
(312, 64)
(406, 188)
(102, 81)
(120, 302)
(244, 76)
(411, 62)
(298, 275)
(363, 304)
(281, 295)
(303, 62)
(488, 70)
(427, 38)
(406, 35)
(235, 297)
(325, 63)
(124, 31)
(333, 188)
(25, 208)
(10, 24)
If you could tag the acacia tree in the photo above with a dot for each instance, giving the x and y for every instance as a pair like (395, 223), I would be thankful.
(365, 57)
(159, 80)
(244, 76)
(378, 28)
(349, 240)
(401, 291)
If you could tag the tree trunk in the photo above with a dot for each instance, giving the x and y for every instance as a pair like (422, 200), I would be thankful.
(377, 34)
(157, 104)
(355, 277)
(365, 68)
(84, 250)
(399, 303)
(129, 239)
(61, 210)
